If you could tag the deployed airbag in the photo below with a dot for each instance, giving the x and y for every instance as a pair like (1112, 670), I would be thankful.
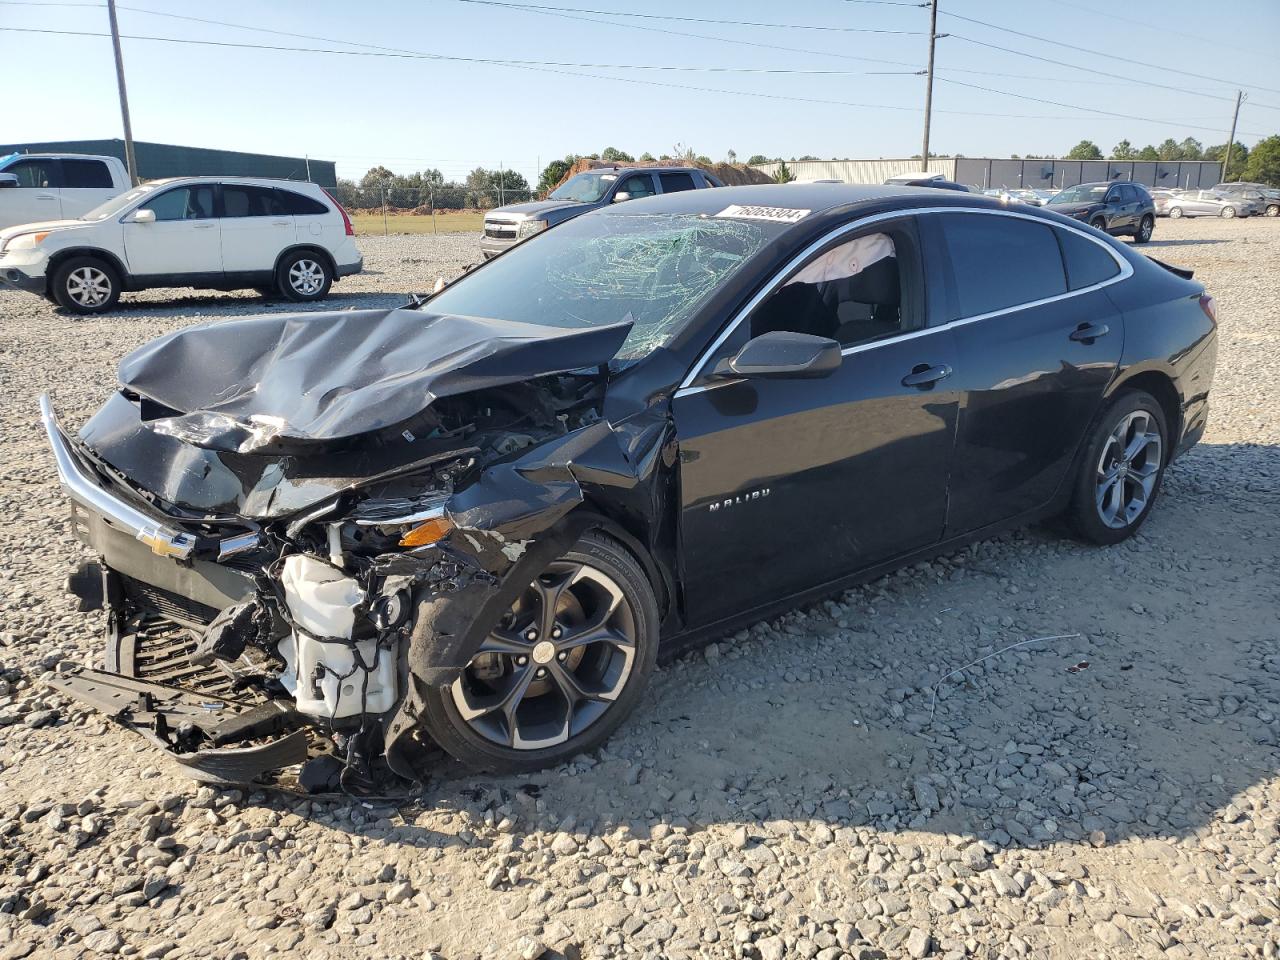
(282, 383)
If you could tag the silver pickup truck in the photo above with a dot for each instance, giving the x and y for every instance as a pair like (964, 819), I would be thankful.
(507, 226)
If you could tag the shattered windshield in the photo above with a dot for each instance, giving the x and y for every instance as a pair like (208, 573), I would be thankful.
(585, 187)
(654, 270)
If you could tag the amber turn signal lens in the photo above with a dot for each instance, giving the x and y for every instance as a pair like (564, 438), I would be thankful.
(424, 534)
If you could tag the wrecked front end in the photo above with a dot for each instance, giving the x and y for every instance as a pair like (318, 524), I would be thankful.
(276, 605)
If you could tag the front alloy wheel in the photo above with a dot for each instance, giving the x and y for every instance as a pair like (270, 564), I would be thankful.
(559, 671)
(85, 285)
(1144, 229)
(1175, 213)
(1228, 213)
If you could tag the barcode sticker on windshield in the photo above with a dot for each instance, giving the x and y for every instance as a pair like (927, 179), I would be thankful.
(776, 214)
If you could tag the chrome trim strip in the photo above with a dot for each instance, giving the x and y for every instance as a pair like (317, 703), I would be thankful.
(1126, 271)
(80, 485)
(231, 546)
(428, 513)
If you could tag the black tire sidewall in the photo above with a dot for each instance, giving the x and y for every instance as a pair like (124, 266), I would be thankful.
(282, 276)
(62, 298)
(454, 735)
(1083, 512)
(1137, 236)
(1099, 223)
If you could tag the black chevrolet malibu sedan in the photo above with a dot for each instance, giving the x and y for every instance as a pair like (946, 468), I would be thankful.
(329, 539)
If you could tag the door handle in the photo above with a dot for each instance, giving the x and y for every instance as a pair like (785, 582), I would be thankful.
(924, 376)
(281, 223)
(202, 226)
(1086, 333)
(46, 196)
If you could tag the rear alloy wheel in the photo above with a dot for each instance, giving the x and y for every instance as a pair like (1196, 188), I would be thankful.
(1144, 229)
(1098, 224)
(1120, 473)
(1175, 213)
(304, 276)
(560, 671)
(1227, 213)
(85, 285)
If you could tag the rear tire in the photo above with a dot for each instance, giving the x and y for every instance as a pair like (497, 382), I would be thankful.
(596, 582)
(304, 276)
(1145, 227)
(85, 285)
(1120, 471)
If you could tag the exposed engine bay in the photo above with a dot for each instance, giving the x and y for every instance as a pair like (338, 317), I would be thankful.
(308, 577)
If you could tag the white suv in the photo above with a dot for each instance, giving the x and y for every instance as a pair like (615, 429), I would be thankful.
(277, 236)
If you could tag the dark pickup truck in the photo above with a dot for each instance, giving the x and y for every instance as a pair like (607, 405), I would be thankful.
(507, 226)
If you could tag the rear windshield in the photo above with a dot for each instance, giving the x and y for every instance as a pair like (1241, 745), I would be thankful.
(603, 268)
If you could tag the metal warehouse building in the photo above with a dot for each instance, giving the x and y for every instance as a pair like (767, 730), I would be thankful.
(981, 173)
(159, 160)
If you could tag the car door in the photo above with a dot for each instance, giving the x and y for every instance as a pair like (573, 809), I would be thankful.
(1036, 343)
(37, 196)
(1119, 210)
(789, 484)
(183, 241)
(256, 229)
(86, 183)
(638, 186)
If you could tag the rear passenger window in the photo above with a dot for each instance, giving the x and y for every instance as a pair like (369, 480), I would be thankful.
(298, 205)
(1000, 261)
(1087, 262)
(238, 201)
(675, 182)
(86, 174)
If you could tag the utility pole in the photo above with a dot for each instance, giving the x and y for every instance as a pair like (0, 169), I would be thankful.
(308, 159)
(1231, 140)
(928, 89)
(130, 160)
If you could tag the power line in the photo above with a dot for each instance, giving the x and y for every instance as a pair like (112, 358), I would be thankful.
(735, 23)
(1071, 46)
(1074, 106)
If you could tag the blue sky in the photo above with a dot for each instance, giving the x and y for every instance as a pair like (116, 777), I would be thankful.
(411, 113)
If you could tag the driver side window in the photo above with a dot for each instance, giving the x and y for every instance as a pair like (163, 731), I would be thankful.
(638, 186)
(856, 292)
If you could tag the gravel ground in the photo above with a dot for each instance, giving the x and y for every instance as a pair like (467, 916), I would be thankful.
(793, 791)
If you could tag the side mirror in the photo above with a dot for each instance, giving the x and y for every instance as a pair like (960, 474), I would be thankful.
(8, 180)
(144, 216)
(620, 196)
(781, 355)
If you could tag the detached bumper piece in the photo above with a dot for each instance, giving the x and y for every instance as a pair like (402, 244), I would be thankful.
(159, 711)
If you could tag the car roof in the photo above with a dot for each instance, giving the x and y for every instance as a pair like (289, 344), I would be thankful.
(248, 181)
(814, 197)
(623, 167)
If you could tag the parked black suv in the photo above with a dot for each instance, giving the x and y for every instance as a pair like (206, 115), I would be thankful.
(506, 226)
(1115, 208)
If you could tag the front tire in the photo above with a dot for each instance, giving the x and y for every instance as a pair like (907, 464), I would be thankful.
(560, 672)
(85, 285)
(304, 276)
(1175, 213)
(1145, 227)
(1273, 210)
(1119, 475)
(1098, 224)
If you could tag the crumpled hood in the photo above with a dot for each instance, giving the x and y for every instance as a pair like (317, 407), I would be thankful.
(297, 382)
(520, 211)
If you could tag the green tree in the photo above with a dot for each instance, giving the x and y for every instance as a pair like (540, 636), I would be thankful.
(1085, 150)
(1170, 150)
(1148, 153)
(731, 156)
(646, 157)
(756, 158)
(614, 155)
(1192, 149)
(554, 172)
(783, 173)
(1263, 165)
(1239, 157)
(808, 156)
(1124, 151)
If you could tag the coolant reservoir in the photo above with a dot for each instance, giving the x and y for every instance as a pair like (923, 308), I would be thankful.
(323, 676)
